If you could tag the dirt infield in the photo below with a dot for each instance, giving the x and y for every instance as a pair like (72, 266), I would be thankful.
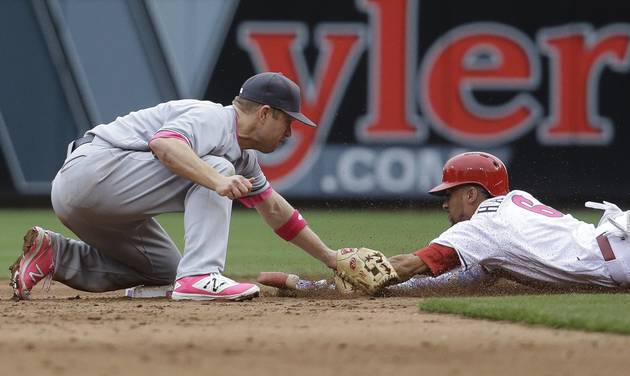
(66, 332)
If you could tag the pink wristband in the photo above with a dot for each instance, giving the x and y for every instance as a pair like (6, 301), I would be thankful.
(253, 200)
(292, 227)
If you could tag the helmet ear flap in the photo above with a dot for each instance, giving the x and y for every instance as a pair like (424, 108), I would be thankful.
(479, 168)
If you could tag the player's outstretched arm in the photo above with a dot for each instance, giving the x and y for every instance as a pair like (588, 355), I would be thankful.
(441, 262)
(473, 277)
(408, 265)
(289, 224)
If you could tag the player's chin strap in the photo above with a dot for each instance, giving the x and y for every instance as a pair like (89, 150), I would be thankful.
(611, 210)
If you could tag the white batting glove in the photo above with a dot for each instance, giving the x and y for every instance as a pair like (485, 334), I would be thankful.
(610, 211)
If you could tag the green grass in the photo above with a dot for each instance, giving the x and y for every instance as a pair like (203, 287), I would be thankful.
(588, 312)
(253, 247)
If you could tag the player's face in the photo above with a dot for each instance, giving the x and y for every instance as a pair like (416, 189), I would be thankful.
(277, 128)
(456, 203)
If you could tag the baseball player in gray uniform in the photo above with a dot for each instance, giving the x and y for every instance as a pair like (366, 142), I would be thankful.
(186, 156)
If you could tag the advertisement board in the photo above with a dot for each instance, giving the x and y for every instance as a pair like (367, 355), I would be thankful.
(396, 86)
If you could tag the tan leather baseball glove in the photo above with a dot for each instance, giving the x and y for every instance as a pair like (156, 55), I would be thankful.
(365, 268)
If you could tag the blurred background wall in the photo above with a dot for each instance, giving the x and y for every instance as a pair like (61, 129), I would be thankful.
(397, 86)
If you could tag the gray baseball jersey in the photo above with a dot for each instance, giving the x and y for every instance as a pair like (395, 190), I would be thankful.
(108, 191)
(209, 128)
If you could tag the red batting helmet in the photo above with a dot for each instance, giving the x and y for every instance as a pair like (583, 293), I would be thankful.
(474, 168)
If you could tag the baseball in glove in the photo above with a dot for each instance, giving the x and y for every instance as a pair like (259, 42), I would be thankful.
(365, 268)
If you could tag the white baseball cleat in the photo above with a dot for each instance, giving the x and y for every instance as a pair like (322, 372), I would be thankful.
(213, 286)
(612, 214)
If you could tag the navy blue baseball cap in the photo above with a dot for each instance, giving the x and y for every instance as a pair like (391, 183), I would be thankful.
(277, 91)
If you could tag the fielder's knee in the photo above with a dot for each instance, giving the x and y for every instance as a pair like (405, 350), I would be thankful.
(222, 165)
(168, 269)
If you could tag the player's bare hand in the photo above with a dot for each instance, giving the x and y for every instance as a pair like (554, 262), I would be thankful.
(407, 266)
(234, 187)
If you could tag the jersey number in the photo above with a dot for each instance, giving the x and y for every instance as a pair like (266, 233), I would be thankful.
(526, 204)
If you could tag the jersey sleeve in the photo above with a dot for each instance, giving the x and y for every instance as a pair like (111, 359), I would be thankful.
(474, 242)
(249, 167)
(203, 127)
(439, 258)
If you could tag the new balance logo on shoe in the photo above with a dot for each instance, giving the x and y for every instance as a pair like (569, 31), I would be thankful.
(215, 288)
(35, 277)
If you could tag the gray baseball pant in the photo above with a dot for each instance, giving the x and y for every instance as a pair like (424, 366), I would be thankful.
(108, 198)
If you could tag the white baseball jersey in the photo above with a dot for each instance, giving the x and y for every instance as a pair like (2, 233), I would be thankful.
(209, 128)
(518, 234)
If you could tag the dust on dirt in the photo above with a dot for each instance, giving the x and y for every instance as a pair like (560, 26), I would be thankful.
(67, 332)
